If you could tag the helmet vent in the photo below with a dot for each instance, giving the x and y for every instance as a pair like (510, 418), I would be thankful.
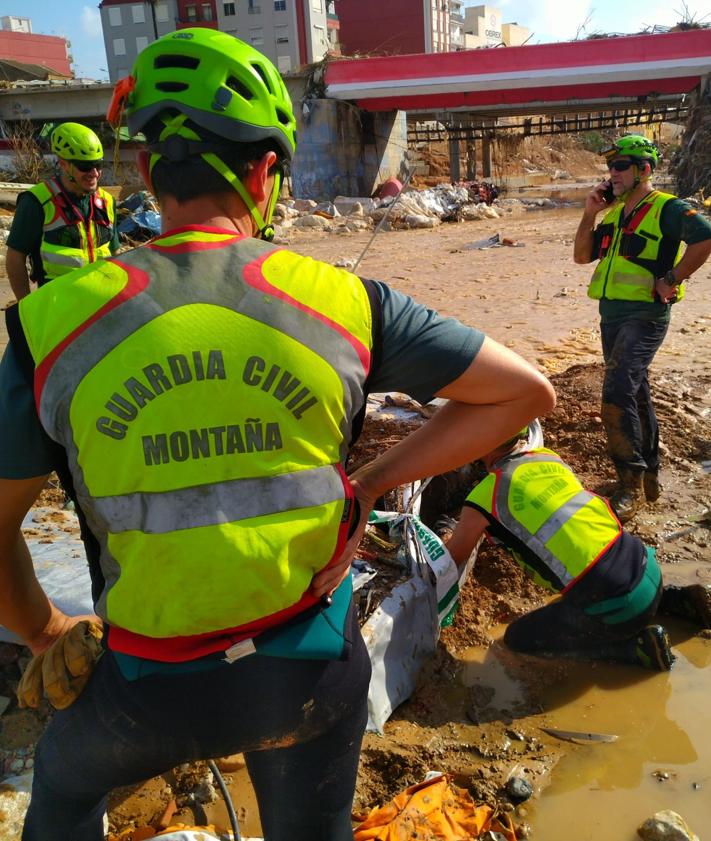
(259, 70)
(283, 118)
(239, 87)
(163, 62)
(172, 87)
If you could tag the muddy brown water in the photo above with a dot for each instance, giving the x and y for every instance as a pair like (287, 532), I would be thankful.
(661, 760)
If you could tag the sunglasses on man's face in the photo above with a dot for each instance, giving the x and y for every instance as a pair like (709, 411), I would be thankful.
(87, 166)
(620, 166)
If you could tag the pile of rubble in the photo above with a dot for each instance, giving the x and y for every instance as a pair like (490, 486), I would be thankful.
(412, 209)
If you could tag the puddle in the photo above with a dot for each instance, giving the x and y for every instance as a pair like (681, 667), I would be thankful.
(662, 759)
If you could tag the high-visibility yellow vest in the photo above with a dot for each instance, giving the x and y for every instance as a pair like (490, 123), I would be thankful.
(540, 501)
(60, 213)
(634, 255)
(204, 387)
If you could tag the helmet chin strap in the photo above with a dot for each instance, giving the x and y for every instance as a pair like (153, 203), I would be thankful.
(637, 181)
(264, 226)
(175, 125)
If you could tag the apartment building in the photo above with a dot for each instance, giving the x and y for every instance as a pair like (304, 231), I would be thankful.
(18, 43)
(484, 27)
(290, 32)
(399, 26)
(422, 26)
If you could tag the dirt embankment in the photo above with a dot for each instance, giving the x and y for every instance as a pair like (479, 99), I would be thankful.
(560, 157)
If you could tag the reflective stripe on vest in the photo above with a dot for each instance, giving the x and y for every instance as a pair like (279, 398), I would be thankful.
(569, 536)
(631, 278)
(60, 259)
(205, 433)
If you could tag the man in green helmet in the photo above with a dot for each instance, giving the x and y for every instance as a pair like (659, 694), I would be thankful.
(642, 272)
(65, 222)
(200, 393)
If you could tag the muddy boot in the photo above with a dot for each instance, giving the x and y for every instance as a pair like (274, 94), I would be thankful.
(692, 603)
(629, 496)
(652, 649)
(652, 488)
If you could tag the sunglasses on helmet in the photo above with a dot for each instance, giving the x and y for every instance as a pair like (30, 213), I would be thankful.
(621, 166)
(87, 166)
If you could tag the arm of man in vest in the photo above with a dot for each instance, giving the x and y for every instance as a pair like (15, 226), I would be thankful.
(694, 257)
(25, 608)
(17, 274)
(583, 246)
(65, 648)
(495, 396)
(24, 238)
(471, 526)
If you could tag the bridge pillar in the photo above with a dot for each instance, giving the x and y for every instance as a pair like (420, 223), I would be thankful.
(471, 161)
(342, 150)
(454, 167)
(486, 155)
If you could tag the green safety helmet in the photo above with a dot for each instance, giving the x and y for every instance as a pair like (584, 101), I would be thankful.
(218, 82)
(75, 142)
(633, 146)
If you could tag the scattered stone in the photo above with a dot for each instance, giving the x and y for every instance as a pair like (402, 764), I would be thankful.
(344, 263)
(4, 703)
(304, 204)
(349, 206)
(518, 789)
(666, 826)
(230, 764)
(313, 222)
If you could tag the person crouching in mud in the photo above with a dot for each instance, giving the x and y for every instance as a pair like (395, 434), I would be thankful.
(569, 541)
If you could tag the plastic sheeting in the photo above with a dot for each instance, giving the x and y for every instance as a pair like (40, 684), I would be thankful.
(59, 560)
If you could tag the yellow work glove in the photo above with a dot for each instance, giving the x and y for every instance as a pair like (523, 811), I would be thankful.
(61, 672)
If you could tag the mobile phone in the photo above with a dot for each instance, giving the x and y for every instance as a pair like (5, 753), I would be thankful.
(608, 195)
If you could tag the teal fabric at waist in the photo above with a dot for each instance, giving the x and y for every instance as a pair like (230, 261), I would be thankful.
(623, 608)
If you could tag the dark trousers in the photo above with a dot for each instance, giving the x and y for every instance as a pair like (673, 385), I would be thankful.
(627, 410)
(563, 627)
(299, 723)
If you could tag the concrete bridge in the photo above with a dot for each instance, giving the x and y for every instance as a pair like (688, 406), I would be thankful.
(596, 74)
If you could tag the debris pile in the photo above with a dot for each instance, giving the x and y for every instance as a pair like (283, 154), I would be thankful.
(693, 166)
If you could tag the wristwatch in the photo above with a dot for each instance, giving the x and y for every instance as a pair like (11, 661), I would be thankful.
(670, 279)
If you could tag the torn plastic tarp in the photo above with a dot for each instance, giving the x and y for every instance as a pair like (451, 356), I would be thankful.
(402, 632)
(142, 222)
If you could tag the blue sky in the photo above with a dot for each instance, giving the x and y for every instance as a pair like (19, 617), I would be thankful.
(550, 20)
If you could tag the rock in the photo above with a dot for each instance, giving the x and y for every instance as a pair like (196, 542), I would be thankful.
(666, 826)
(344, 263)
(14, 800)
(358, 223)
(489, 212)
(518, 789)
(317, 222)
(304, 204)
(4, 703)
(6, 222)
(347, 206)
(417, 220)
(230, 764)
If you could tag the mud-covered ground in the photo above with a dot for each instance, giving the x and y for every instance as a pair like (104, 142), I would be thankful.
(533, 300)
